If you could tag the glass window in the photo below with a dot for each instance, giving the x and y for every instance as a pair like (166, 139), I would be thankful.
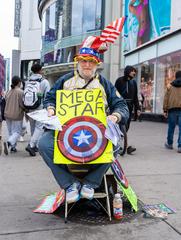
(77, 16)
(50, 24)
(86, 16)
(168, 65)
(89, 15)
(147, 86)
(49, 33)
(52, 17)
(98, 14)
(67, 18)
(43, 24)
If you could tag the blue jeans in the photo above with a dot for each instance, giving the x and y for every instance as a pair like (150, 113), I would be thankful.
(61, 172)
(174, 118)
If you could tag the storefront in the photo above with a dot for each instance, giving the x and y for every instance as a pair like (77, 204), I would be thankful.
(156, 64)
(155, 52)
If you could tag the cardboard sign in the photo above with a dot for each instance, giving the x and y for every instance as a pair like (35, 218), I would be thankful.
(131, 196)
(82, 115)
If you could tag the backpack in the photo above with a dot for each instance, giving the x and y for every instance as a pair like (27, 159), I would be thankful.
(32, 94)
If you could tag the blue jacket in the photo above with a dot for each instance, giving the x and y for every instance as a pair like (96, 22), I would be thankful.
(115, 103)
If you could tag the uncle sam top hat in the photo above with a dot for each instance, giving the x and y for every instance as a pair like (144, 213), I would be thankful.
(93, 46)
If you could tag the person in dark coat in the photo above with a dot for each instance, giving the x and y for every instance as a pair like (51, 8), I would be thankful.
(127, 87)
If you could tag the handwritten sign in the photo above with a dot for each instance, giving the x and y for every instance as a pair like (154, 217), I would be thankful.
(82, 140)
(131, 196)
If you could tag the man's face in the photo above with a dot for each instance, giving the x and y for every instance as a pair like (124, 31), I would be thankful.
(87, 67)
(132, 74)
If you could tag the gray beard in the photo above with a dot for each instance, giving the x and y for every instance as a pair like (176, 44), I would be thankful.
(87, 78)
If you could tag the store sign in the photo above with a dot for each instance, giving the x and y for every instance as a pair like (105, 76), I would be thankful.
(17, 22)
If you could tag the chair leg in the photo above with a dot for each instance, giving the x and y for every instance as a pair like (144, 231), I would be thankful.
(66, 209)
(107, 198)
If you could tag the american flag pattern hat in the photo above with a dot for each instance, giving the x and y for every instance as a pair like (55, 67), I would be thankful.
(96, 45)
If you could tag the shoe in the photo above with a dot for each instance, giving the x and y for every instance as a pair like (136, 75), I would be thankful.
(36, 149)
(6, 147)
(13, 150)
(72, 192)
(87, 192)
(168, 146)
(130, 150)
(30, 150)
(179, 150)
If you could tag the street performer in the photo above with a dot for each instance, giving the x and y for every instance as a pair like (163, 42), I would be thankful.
(84, 76)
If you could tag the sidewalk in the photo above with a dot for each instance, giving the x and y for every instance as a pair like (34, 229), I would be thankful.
(153, 172)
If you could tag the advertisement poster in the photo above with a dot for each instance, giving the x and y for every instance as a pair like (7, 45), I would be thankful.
(82, 139)
(146, 20)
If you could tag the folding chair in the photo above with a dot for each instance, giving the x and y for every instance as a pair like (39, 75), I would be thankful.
(79, 170)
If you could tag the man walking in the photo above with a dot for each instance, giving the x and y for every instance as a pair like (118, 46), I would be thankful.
(39, 86)
(172, 110)
(127, 87)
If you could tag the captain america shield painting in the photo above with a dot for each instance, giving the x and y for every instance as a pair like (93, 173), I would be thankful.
(82, 139)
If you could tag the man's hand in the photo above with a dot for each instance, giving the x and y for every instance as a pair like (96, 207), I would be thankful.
(165, 114)
(51, 112)
(113, 118)
(138, 113)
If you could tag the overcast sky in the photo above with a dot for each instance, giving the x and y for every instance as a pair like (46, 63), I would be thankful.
(7, 40)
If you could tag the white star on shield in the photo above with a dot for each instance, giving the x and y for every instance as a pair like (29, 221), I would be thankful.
(82, 138)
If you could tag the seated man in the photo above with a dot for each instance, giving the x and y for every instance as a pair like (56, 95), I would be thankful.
(84, 77)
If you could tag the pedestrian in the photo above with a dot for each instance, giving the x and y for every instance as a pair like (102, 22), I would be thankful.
(172, 110)
(2, 107)
(85, 76)
(14, 113)
(36, 87)
(127, 88)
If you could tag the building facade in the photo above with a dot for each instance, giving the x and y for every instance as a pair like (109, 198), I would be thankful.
(27, 27)
(151, 41)
(66, 23)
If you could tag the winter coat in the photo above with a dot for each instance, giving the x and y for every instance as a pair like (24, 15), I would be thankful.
(172, 98)
(116, 104)
(128, 90)
(14, 109)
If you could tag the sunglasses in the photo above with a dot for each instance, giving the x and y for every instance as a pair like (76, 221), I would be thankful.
(86, 59)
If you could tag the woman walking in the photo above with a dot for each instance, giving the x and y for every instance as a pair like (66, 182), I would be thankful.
(14, 113)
